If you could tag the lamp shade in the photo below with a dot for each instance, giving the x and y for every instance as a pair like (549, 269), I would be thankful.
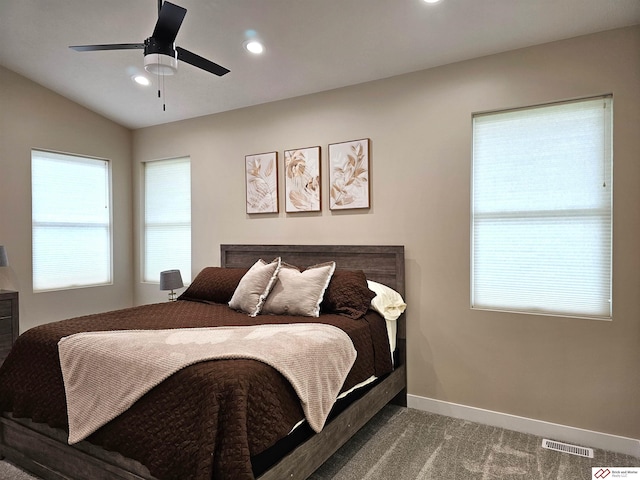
(4, 260)
(170, 280)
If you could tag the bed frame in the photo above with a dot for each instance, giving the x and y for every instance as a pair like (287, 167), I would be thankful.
(45, 452)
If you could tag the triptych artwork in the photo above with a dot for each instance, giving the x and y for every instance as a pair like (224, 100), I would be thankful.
(348, 183)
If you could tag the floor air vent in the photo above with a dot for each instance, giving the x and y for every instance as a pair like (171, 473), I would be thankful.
(566, 448)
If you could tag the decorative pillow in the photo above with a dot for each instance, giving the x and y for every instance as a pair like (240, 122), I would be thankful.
(387, 301)
(214, 284)
(299, 293)
(254, 287)
(347, 294)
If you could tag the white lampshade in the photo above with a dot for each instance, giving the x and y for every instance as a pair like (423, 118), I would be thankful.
(4, 259)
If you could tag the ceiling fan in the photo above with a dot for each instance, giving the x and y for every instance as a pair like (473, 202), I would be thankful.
(161, 55)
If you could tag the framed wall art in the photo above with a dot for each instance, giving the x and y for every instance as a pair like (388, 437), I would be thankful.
(349, 175)
(302, 180)
(261, 172)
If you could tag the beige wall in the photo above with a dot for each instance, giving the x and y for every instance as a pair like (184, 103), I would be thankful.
(34, 117)
(575, 372)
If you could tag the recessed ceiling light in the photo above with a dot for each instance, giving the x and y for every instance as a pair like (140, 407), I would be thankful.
(432, 1)
(254, 46)
(141, 80)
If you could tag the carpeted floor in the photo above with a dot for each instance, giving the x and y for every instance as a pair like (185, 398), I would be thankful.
(402, 443)
(10, 472)
(410, 444)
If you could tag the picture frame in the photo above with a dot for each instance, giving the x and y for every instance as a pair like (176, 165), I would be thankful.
(302, 180)
(349, 186)
(261, 182)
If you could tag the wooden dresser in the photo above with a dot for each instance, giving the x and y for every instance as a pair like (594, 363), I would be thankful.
(9, 323)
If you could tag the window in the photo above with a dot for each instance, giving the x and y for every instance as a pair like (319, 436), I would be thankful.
(542, 209)
(167, 218)
(71, 221)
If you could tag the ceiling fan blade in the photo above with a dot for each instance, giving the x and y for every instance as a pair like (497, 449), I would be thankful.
(169, 20)
(200, 62)
(112, 46)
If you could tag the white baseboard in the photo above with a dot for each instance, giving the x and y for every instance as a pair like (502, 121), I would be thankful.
(540, 428)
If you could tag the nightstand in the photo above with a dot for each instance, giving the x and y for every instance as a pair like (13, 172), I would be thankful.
(9, 324)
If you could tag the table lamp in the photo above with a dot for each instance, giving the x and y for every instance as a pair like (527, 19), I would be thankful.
(171, 280)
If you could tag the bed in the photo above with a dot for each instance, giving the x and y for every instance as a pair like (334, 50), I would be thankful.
(44, 450)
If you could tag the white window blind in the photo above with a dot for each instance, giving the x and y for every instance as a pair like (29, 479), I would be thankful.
(542, 209)
(71, 221)
(167, 213)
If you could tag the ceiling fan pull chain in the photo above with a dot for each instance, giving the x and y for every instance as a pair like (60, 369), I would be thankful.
(161, 87)
(164, 96)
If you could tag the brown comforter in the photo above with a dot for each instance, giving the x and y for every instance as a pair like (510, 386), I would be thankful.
(205, 421)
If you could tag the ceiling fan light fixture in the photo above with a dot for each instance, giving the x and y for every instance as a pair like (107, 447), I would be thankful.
(160, 64)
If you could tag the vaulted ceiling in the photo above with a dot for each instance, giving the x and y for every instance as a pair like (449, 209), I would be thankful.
(310, 46)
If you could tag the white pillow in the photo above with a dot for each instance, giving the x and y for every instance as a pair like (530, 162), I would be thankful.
(299, 293)
(390, 305)
(254, 287)
(387, 301)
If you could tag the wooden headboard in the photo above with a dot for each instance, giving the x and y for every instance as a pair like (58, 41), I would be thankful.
(380, 263)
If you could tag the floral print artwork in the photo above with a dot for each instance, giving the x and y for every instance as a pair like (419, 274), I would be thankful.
(262, 182)
(302, 182)
(349, 174)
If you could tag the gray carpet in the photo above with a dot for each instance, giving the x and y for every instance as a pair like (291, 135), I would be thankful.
(402, 443)
(410, 444)
(9, 472)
